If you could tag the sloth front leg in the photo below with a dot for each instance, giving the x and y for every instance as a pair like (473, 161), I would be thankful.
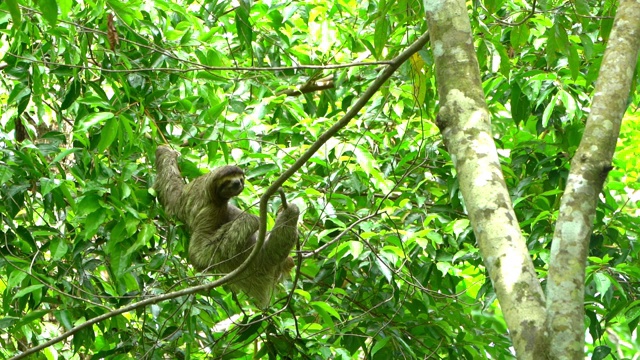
(282, 238)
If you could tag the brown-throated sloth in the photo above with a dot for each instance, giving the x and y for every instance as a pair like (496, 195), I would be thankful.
(222, 236)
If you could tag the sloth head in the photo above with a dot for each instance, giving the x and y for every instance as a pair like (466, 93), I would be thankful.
(229, 182)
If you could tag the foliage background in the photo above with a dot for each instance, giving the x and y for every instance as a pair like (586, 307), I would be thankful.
(388, 262)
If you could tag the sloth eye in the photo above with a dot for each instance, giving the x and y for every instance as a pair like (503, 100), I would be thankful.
(232, 182)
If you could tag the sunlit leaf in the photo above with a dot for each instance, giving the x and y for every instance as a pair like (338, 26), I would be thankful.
(92, 119)
(27, 290)
(14, 9)
(49, 10)
(108, 133)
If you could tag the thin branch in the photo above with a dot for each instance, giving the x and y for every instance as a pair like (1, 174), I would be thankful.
(201, 67)
(311, 86)
(506, 23)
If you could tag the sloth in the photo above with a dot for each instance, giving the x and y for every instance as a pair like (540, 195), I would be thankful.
(223, 236)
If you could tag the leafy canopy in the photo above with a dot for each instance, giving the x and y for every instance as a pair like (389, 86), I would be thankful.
(389, 267)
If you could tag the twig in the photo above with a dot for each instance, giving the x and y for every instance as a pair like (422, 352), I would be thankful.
(201, 67)
(506, 23)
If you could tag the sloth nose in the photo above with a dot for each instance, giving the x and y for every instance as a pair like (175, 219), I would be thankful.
(236, 183)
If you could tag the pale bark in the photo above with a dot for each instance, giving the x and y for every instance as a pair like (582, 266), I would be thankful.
(465, 124)
(589, 168)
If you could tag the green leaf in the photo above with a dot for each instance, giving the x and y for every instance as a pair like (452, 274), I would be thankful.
(561, 38)
(16, 278)
(27, 290)
(49, 10)
(587, 46)
(243, 25)
(86, 122)
(173, 35)
(108, 133)
(72, 94)
(634, 311)
(120, 262)
(519, 36)
(355, 248)
(606, 24)
(145, 234)
(520, 106)
(574, 61)
(326, 312)
(252, 329)
(379, 344)
(32, 316)
(65, 7)
(65, 318)
(63, 154)
(58, 248)
(14, 9)
(569, 104)
(443, 267)
(602, 282)
(89, 204)
(384, 269)
(5, 174)
(601, 352)
(548, 111)
(505, 65)
(8, 321)
(94, 101)
(551, 48)
(127, 12)
(19, 91)
(260, 170)
(131, 225)
(93, 222)
(582, 7)
(47, 185)
(381, 35)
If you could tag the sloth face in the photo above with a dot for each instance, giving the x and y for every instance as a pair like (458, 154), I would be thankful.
(231, 186)
(229, 182)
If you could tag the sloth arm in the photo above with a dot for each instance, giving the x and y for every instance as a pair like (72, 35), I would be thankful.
(282, 238)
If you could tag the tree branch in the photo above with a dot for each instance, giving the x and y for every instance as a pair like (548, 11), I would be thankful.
(201, 67)
(589, 169)
(465, 123)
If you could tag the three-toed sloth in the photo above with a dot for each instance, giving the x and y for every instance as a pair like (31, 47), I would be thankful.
(223, 236)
